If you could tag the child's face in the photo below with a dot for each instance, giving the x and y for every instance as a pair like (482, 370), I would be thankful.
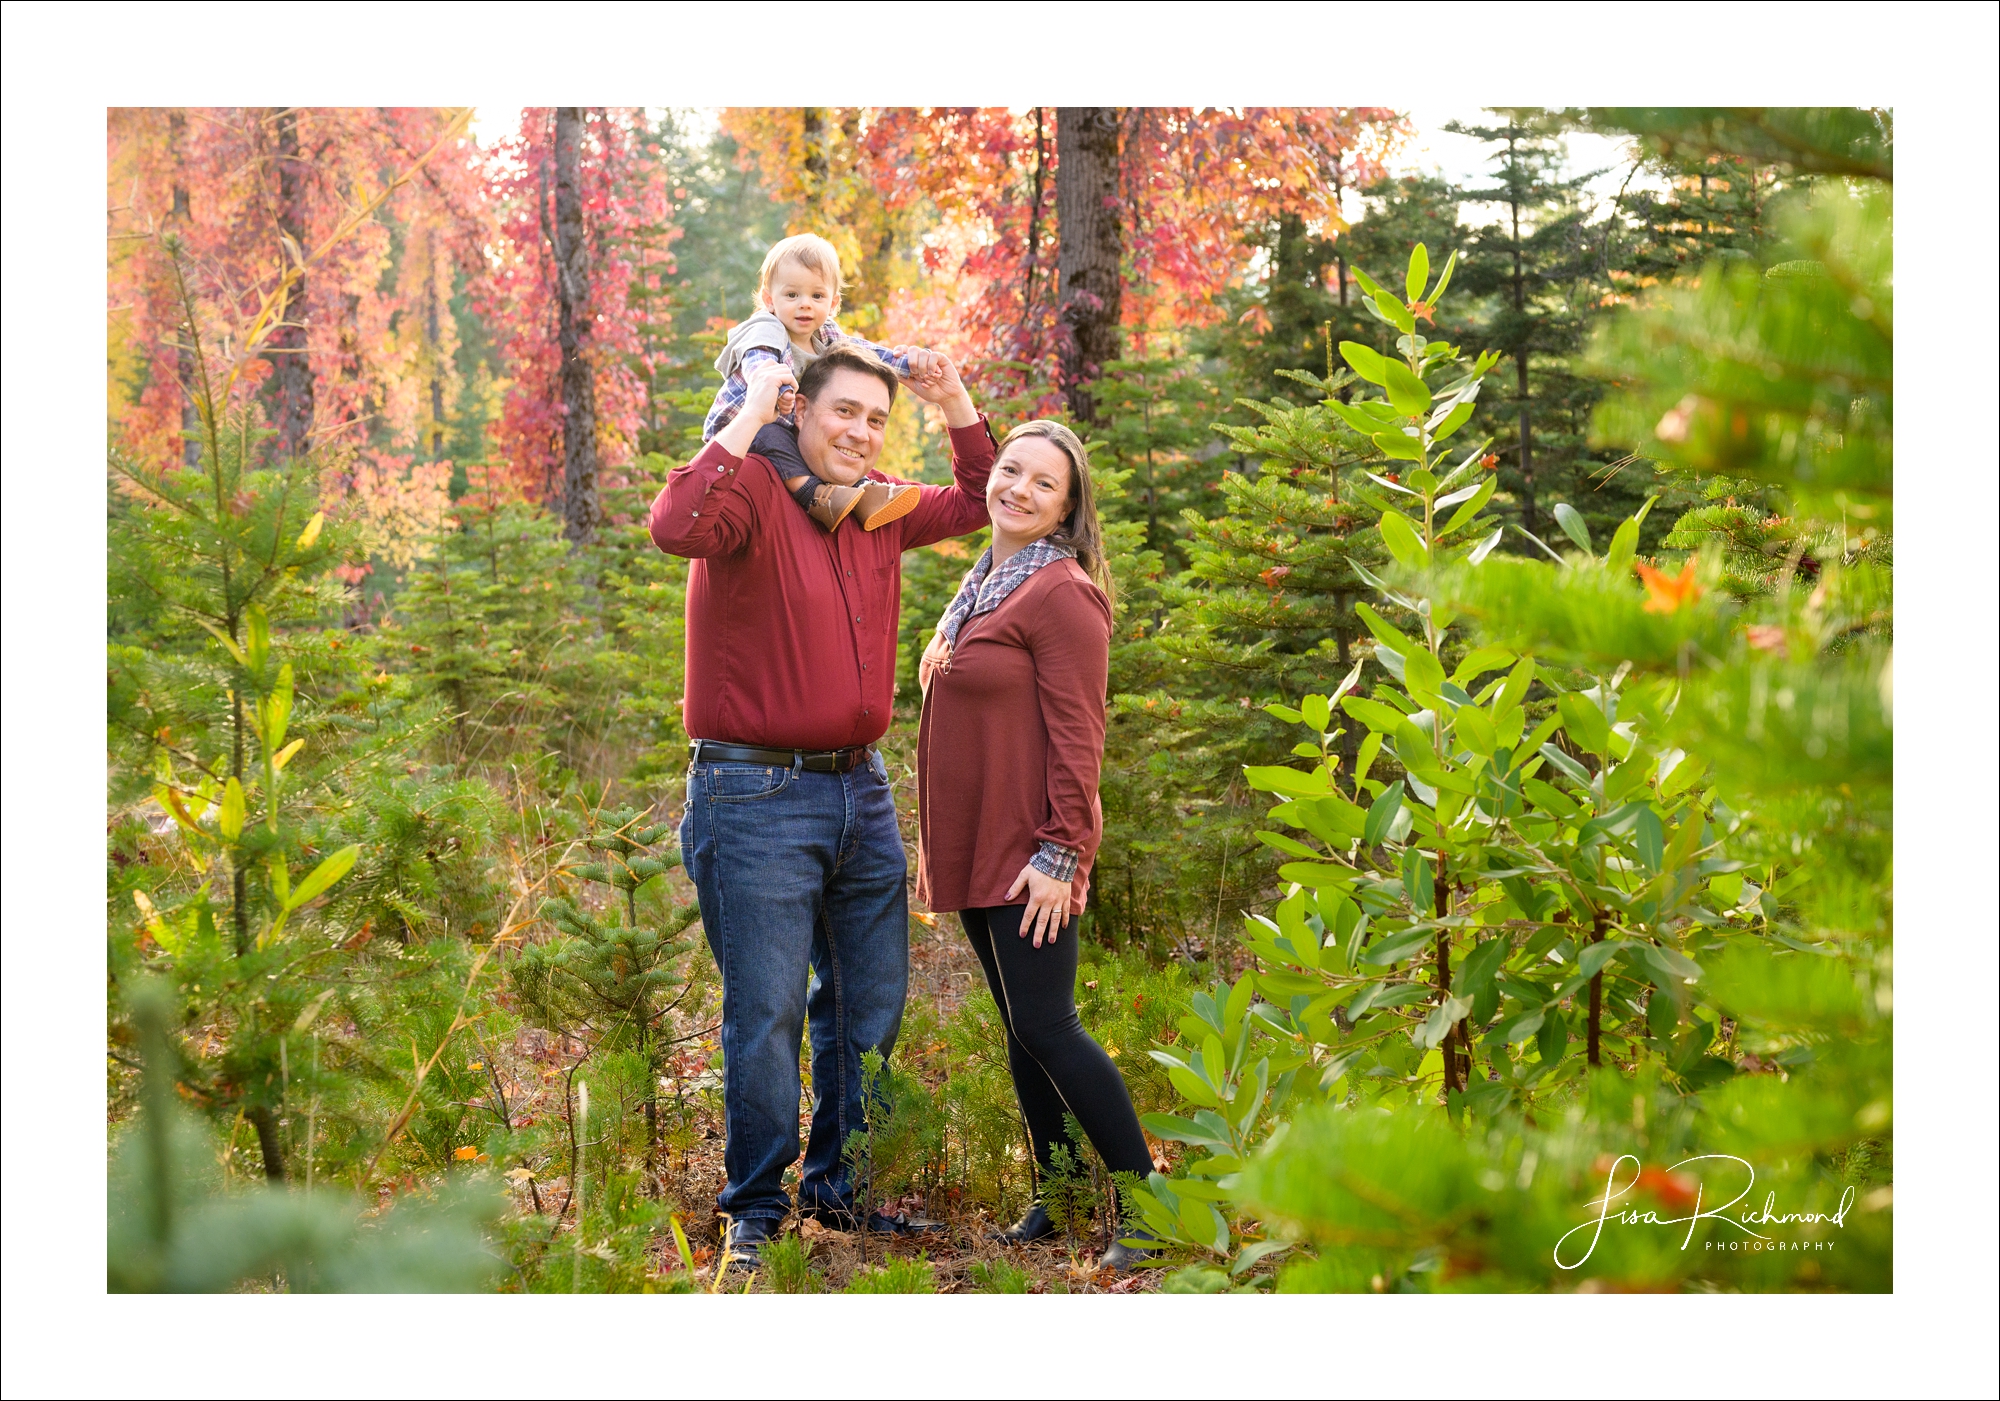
(800, 298)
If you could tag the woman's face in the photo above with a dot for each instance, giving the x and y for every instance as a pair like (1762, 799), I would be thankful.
(1027, 494)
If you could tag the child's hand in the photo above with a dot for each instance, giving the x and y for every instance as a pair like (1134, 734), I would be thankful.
(772, 388)
(933, 378)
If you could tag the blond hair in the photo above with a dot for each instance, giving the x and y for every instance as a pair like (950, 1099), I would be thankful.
(810, 252)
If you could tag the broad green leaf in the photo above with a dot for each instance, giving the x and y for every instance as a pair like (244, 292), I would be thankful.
(1384, 632)
(1481, 660)
(1382, 814)
(1418, 274)
(1453, 421)
(1585, 723)
(258, 626)
(1425, 677)
(1356, 416)
(1480, 965)
(1482, 494)
(1474, 730)
(324, 875)
(1397, 315)
(226, 640)
(1591, 961)
(1516, 689)
(1368, 283)
(1624, 542)
(1415, 753)
(1384, 481)
(1193, 1088)
(1370, 747)
(280, 713)
(1403, 541)
(1316, 713)
(1406, 392)
(1572, 525)
(1320, 875)
(1417, 878)
(1650, 838)
(1397, 947)
(1367, 363)
(1372, 713)
(1398, 444)
(231, 819)
(1287, 845)
(1444, 280)
(1278, 778)
(1512, 1033)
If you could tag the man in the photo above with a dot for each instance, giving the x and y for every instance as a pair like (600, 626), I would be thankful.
(790, 833)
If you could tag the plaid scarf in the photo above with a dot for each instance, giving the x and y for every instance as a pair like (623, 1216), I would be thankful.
(986, 588)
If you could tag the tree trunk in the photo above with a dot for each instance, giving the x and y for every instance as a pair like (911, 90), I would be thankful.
(1441, 902)
(1593, 1026)
(581, 512)
(184, 367)
(436, 355)
(1090, 249)
(268, 1143)
(1033, 267)
(291, 385)
(1528, 515)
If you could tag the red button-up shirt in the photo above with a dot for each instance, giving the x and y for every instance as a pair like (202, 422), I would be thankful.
(791, 632)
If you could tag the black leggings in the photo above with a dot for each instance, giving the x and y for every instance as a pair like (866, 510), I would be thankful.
(1057, 1068)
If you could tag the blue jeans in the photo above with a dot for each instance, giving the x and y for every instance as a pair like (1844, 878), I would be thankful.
(801, 878)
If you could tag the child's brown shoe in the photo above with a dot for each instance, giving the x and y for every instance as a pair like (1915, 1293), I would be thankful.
(833, 504)
(882, 502)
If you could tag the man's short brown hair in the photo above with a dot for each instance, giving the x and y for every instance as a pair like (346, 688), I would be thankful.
(844, 357)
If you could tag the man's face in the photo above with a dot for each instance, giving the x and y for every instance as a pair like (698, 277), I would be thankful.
(840, 432)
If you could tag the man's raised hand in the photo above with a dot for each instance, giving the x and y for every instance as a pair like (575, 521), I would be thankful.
(934, 379)
(769, 389)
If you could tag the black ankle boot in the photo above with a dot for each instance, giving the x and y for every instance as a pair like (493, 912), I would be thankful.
(1032, 1227)
(1121, 1258)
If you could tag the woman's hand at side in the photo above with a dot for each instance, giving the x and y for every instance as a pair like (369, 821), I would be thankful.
(1048, 903)
(935, 656)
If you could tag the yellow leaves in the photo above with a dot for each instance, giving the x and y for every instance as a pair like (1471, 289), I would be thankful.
(310, 534)
(1668, 595)
(284, 756)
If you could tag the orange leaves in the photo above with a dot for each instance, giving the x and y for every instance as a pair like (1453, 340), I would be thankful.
(1490, 462)
(1668, 595)
(469, 1154)
(1275, 575)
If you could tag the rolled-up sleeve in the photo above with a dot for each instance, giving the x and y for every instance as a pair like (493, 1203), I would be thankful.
(702, 511)
(1072, 642)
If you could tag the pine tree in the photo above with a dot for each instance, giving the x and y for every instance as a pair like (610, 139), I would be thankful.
(1540, 273)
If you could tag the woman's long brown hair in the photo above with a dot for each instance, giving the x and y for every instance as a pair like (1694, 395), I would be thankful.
(1080, 528)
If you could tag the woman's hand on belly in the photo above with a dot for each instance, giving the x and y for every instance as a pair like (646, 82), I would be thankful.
(1048, 903)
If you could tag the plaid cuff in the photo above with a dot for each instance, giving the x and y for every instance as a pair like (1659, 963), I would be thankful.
(1055, 862)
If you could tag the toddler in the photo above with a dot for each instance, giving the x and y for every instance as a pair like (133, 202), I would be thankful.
(799, 290)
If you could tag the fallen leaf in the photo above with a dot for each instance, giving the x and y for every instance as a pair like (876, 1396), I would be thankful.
(466, 1154)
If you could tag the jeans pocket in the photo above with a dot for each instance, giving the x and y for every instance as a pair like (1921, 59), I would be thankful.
(744, 783)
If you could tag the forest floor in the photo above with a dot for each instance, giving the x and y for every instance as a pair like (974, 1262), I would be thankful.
(535, 1072)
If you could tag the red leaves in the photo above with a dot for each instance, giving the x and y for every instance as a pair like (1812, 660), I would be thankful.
(1490, 462)
(1275, 575)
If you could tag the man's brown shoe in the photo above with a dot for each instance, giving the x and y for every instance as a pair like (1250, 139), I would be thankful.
(882, 502)
(833, 504)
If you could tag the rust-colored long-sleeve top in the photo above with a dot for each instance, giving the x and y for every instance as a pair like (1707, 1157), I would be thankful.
(1011, 743)
(791, 632)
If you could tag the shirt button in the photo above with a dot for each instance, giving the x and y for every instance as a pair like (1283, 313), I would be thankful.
(857, 617)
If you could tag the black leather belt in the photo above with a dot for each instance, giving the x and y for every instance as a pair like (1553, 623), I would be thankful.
(708, 751)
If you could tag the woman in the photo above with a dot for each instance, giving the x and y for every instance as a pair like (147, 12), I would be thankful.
(1007, 762)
